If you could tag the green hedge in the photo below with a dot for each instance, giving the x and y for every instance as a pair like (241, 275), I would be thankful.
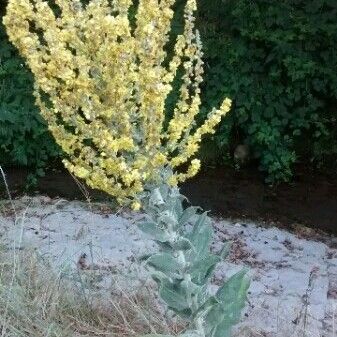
(276, 59)
(24, 138)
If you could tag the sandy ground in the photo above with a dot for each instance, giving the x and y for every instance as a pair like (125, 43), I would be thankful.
(293, 279)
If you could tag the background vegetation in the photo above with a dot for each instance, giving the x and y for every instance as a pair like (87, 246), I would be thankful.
(276, 59)
(24, 138)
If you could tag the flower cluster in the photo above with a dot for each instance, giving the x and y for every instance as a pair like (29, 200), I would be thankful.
(102, 81)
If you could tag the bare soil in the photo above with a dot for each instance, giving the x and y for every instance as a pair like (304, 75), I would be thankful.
(310, 200)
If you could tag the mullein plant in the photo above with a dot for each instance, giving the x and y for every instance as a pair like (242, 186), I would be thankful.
(101, 83)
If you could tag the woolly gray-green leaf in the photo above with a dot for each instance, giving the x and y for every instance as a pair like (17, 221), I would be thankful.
(232, 297)
(188, 215)
(202, 269)
(185, 265)
(182, 244)
(159, 277)
(207, 302)
(201, 238)
(225, 250)
(192, 333)
(153, 230)
(156, 198)
(202, 220)
(234, 289)
(174, 296)
(214, 317)
(220, 319)
(222, 330)
(178, 208)
(155, 335)
(165, 263)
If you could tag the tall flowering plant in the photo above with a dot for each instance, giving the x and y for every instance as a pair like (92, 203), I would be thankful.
(101, 86)
(101, 83)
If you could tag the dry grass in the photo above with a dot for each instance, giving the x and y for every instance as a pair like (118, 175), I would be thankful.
(37, 301)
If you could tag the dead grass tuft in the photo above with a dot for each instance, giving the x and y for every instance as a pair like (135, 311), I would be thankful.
(37, 301)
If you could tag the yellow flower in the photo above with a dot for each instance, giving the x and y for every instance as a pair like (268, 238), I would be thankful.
(159, 159)
(173, 181)
(136, 205)
(81, 172)
(102, 87)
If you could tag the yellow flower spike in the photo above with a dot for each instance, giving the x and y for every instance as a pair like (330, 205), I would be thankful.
(136, 205)
(102, 88)
(172, 181)
(81, 172)
(159, 160)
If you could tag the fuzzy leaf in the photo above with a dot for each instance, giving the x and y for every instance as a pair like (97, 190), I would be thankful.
(152, 229)
(168, 217)
(220, 320)
(159, 277)
(165, 263)
(232, 297)
(191, 333)
(188, 215)
(156, 198)
(222, 330)
(201, 237)
(234, 289)
(182, 244)
(155, 335)
(214, 317)
(202, 269)
(202, 220)
(174, 296)
(207, 303)
(225, 250)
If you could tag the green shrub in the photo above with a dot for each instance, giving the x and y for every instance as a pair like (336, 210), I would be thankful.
(277, 60)
(24, 138)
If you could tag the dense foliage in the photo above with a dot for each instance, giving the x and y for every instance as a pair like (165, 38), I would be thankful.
(24, 138)
(276, 59)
